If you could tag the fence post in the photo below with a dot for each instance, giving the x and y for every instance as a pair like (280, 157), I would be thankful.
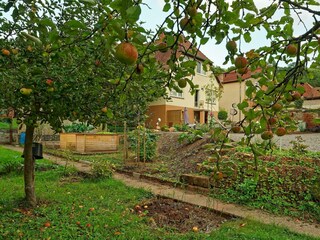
(125, 141)
(138, 144)
(144, 142)
(10, 131)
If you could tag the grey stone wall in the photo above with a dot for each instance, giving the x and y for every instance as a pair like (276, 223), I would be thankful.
(5, 136)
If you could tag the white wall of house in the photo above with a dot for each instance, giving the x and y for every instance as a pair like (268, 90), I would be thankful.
(186, 99)
(311, 104)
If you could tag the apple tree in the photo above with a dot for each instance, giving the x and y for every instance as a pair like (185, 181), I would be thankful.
(58, 58)
(72, 60)
(233, 24)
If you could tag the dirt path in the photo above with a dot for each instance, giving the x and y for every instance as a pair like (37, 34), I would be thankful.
(199, 199)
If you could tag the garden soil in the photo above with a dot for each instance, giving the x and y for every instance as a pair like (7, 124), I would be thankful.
(224, 210)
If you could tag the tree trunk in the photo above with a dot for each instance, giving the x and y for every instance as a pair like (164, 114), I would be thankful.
(29, 168)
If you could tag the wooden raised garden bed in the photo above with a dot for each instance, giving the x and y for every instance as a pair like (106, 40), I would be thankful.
(89, 143)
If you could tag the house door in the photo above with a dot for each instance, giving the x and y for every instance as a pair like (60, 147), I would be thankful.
(206, 114)
(196, 116)
(174, 117)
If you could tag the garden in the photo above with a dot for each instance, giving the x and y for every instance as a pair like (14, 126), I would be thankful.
(95, 64)
(284, 182)
(74, 205)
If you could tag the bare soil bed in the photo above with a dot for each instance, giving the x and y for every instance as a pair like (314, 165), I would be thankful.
(287, 179)
(173, 158)
(179, 216)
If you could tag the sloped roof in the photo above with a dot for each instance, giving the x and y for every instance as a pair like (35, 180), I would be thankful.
(232, 76)
(310, 92)
(184, 48)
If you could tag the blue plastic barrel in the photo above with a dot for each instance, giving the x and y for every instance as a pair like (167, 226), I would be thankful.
(22, 138)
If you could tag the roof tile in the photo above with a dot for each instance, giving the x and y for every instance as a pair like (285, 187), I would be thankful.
(310, 92)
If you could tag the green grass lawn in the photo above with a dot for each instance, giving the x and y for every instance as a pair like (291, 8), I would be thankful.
(115, 158)
(5, 125)
(84, 208)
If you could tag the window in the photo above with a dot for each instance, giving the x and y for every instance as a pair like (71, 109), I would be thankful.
(200, 69)
(196, 98)
(174, 93)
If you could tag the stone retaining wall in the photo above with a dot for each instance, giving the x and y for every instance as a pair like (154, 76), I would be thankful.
(5, 136)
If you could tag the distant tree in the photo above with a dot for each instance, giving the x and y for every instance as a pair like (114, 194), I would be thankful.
(311, 76)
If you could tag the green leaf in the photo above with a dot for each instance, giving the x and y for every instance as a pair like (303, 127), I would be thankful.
(170, 23)
(288, 29)
(255, 21)
(286, 8)
(249, 91)
(116, 4)
(249, 17)
(75, 24)
(8, 6)
(88, 1)
(249, 83)
(219, 37)
(123, 98)
(243, 105)
(47, 22)
(170, 40)
(263, 123)
(203, 41)
(251, 114)
(269, 12)
(109, 113)
(247, 37)
(166, 7)
(133, 13)
(15, 14)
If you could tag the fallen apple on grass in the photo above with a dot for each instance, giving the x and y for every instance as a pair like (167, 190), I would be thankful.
(26, 91)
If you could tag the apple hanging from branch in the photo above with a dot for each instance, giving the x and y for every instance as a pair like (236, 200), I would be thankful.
(126, 53)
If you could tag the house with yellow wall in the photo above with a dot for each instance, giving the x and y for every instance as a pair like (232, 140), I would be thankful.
(186, 107)
(311, 96)
(233, 92)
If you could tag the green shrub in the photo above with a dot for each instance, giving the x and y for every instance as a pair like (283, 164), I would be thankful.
(150, 141)
(68, 171)
(6, 123)
(222, 115)
(102, 169)
(181, 127)
(105, 133)
(298, 103)
(78, 127)
(118, 129)
(203, 127)
(191, 136)
(16, 165)
(298, 146)
(165, 128)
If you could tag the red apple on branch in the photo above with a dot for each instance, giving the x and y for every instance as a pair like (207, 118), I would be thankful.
(240, 62)
(126, 53)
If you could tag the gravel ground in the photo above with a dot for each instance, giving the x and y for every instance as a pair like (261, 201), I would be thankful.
(312, 140)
